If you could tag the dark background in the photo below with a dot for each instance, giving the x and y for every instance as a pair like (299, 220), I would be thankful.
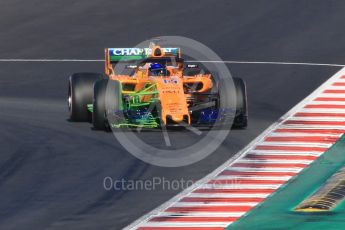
(51, 170)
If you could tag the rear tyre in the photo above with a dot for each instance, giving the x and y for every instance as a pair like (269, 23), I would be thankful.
(106, 101)
(241, 117)
(80, 94)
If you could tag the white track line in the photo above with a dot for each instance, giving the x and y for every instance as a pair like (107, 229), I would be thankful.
(229, 195)
(227, 62)
(250, 177)
(302, 126)
(327, 103)
(280, 161)
(276, 63)
(282, 134)
(288, 153)
(290, 143)
(332, 95)
(210, 203)
(185, 224)
(240, 186)
(203, 214)
(318, 118)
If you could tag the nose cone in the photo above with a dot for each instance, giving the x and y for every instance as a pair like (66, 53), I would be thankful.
(177, 118)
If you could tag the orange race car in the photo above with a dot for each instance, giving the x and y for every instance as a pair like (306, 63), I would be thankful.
(155, 92)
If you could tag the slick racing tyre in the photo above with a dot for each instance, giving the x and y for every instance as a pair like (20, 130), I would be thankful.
(80, 93)
(241, 116)
(106, 100)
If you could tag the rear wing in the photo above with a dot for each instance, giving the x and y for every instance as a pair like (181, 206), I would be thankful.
(115, 55)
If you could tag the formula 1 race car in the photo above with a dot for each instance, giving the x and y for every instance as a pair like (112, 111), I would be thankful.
(155, 93)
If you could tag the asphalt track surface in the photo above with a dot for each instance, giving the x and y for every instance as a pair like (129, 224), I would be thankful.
(52, 171)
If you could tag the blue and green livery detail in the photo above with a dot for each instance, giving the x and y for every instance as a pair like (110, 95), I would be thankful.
(137, 112)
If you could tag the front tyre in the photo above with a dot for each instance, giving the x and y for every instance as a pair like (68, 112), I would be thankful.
(80, 94)
(241, 117)
(106, 101)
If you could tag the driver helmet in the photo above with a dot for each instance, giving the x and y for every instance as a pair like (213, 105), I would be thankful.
(157, 69)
